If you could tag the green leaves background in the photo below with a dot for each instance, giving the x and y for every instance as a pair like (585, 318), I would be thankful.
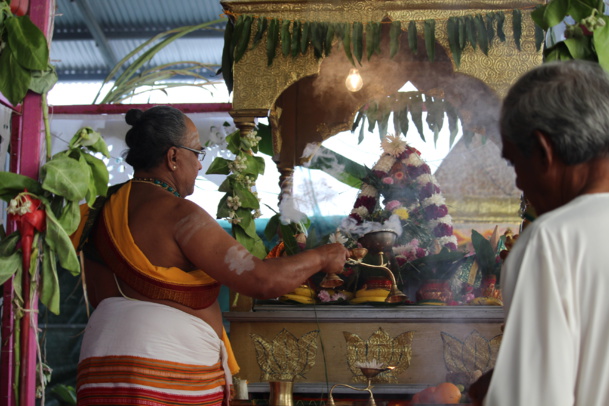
(68, 178)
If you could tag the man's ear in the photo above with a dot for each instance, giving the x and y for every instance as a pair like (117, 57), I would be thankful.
(171, 157)
(546, 149)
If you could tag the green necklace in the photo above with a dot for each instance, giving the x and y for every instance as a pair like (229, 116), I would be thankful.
(159, 183)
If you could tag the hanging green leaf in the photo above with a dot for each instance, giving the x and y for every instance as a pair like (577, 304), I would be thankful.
(272, 36)
(26, 42)
(286, 38)
(14, 80)
(244, 37)
(357, 121)
(539, 37)
(461, 30)
(372, 116)
(296, 31)
(452, 29)
(517, 25)
(49, 283)
(369, 39)
(304, 37)
(347, 42)
(412, 36)
(470, 31)
(358, 41)
(430, 38)
(415, 106)
(435, 116)
(330, 33)
(500, 17)
(397, 130)
(317, 38)
(236, 37)
(489, 21)
(481, 34)
(403, 117)
(453, 121)
(262, 24)
(384, 124)
(395, 31)
(360, 138)
(377, 38)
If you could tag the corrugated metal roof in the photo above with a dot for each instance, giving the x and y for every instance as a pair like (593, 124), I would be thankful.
(91, 36)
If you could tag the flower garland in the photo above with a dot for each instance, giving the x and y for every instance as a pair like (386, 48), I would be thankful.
(412, 194)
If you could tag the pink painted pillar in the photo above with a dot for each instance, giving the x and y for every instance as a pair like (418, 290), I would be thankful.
(26, 143)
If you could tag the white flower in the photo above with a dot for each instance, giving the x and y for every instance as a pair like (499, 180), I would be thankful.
(368, 190)
(338, 237)
(442, 220)
(447, 239)
(425, 179)
(384, 164)
(413, 159)
(393, 145)
(436, 199)
(361, 211)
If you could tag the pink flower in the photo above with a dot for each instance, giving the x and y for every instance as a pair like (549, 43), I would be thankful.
(388, 180)
(324, 296)
(392, 205)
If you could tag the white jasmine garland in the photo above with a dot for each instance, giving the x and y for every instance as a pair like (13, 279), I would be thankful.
(436, 199)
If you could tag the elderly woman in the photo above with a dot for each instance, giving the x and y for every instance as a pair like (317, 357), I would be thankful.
(154, 265)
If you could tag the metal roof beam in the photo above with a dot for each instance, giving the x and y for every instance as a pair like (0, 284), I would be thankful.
(82, 33)
(97, 33)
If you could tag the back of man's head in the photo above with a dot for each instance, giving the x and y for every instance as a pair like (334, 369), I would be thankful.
(568, 101)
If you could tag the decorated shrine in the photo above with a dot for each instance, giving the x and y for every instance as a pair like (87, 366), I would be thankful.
(408, 298)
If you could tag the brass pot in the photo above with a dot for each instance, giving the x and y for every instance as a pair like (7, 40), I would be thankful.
(281, 393)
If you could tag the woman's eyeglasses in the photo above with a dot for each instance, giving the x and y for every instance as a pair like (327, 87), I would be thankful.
(199, 153)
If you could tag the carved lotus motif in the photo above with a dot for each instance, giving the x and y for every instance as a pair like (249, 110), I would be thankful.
(285, 357)
(380, 348)
(466, 360)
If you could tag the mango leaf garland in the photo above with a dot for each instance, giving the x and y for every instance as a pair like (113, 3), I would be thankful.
(412, 36)
(430, 38)
(517, 24)
(358, 38)
(395, 32)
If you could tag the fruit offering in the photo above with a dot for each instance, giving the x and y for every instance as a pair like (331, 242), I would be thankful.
(445, 393)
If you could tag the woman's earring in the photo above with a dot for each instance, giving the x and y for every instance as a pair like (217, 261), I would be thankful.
(175, 167)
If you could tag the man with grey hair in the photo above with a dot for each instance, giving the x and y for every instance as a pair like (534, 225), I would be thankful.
(555, 132)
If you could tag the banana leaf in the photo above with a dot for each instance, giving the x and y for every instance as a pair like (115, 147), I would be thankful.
(470, 31)
(347, 42)
(481, 33)
(351, 172)
(272, 37)
(415, 106)
(304, 37)
(244, 37)
(296, 32)
(261, 27)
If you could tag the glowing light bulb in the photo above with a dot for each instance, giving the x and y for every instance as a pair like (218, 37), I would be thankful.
(354, 81)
